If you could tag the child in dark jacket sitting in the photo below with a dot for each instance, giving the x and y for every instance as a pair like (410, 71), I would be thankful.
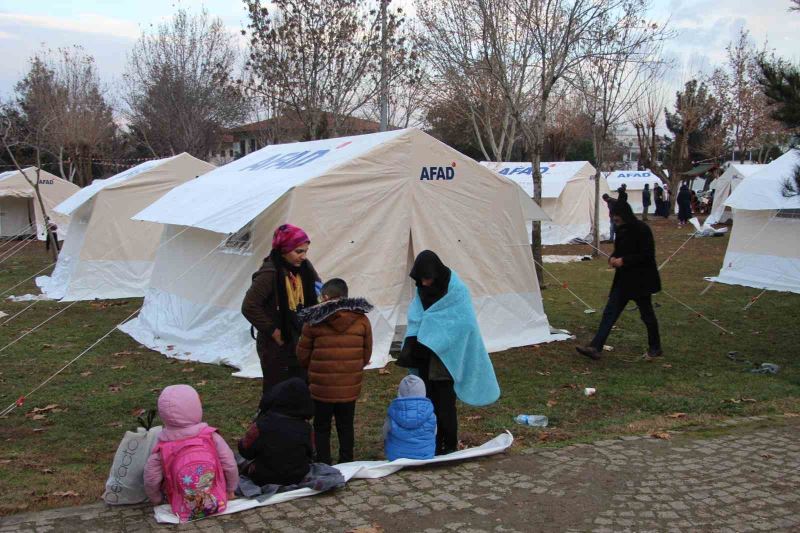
(278, 441)
(409, 431)
(335, 346)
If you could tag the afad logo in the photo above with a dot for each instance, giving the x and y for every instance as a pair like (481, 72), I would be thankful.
(527, 169)
(438, 173)
(634, 175)
(284, 160)
(46, 182)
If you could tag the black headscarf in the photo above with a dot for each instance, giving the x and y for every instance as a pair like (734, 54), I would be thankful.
(289, 398)
(290, 325)
(428, 266)
(624, 211)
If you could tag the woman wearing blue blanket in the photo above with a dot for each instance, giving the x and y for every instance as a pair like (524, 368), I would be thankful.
(444, 347)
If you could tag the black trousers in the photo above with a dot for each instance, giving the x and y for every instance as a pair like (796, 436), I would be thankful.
(278, 363)
(615, 306)
(344, 413)
(443, 396)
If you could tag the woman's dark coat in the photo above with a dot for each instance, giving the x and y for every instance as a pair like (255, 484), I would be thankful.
(635, 245)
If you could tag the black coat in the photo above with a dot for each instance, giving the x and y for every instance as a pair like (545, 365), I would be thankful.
(279, 440)
(684, 201)
(646, 197)
(622, 195)
(638, 275)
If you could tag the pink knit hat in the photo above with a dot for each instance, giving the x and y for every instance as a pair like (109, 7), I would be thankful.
(287, 237)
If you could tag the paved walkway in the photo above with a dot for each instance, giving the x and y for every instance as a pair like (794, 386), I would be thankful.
(745, 480)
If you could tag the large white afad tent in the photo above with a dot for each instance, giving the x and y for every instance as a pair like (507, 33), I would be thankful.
(20, 214)
(634, 181)
(568, 198)
(764, 248)
(108, 255)
(723, 187)
(370, 203)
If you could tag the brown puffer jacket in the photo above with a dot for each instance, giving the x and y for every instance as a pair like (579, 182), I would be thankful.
(335, 346)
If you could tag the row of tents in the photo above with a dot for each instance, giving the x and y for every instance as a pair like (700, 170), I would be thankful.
(187, 236)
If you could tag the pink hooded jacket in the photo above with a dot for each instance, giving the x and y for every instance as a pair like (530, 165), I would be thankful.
(182, 415)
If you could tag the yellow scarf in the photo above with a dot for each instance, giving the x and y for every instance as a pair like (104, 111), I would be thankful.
(294, 291)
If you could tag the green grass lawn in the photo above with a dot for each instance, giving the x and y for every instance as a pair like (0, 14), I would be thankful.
(69, 448)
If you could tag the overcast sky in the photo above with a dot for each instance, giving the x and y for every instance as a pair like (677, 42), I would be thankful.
(108, 28)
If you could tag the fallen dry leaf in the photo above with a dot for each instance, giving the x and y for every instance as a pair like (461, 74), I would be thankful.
(569, 386)
(187, 369)
(46, 346)
(543, 373)
(663, 435)
(115, 425)
(47, 471)
(374, 528)
(384, 371)
(38, 417)
(86, 374)
(123, 353)
(66, 494)
(39, 430)
(667, 365)
(200, 383)
(51, 407)
(551, 403)
(118, 367)
(677, 415)
(138, 411)
(5, 461)
(473, 417)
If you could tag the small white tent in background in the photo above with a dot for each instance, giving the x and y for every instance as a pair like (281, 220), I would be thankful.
(568, 198)
(370, 203)
(634, 180)
(723, 186)
(20, 214)
(764, 249)
(108, 255)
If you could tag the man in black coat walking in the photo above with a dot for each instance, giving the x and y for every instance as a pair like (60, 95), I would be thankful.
(622, 193)
(645, 201)
(636, 278)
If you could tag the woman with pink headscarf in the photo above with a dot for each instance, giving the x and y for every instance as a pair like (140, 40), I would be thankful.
(284, 285)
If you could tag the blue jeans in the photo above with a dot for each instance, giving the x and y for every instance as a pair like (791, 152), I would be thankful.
(612, 230)
(615, 306)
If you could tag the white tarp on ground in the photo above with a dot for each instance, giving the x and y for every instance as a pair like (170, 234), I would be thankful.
(108, 255)
(354, 470)
(567, 197)
(764, 248)
(634, 180)
(724, 186)
(370, 203)
(20, 214)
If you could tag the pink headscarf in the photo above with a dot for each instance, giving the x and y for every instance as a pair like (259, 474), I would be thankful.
(287, 237)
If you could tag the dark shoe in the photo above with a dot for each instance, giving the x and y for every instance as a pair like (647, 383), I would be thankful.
(589, 351)
(654, 353)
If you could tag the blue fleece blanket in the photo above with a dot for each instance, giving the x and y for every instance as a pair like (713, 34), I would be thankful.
(450, 329)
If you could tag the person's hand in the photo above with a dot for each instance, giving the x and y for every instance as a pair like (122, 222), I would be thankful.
(616, 262)
(276, 336)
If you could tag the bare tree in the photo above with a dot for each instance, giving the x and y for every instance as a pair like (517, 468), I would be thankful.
(63, 92)
(14, 134)
(533, 47)
(626, 60)
(180, 89)
(321, 60)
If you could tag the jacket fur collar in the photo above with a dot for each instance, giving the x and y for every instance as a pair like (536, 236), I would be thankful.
(319, 313)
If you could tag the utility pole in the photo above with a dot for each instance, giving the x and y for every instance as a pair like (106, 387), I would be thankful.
(384, 93)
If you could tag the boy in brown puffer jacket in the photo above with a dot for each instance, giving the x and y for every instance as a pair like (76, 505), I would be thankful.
(335, 346)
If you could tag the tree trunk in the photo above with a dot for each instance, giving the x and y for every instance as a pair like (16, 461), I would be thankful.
(536, 233)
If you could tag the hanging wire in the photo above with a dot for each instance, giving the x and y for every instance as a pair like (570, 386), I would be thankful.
(21, 400)
(564, 285)
(12, 239)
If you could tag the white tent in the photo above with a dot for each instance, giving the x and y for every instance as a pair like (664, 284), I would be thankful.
(20, 214)
(108, 255)
(370, 203)
(764, 248)
(568, 198)
(634, 180)
(723, 187)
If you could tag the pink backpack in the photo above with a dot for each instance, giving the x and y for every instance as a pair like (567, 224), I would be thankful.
(193, 476)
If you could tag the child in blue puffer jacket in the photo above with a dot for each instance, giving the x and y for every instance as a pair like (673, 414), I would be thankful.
(410, 428)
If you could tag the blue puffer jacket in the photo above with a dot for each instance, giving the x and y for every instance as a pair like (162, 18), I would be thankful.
(412, 429)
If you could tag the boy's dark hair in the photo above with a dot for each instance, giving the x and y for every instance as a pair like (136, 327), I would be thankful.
(334, 288)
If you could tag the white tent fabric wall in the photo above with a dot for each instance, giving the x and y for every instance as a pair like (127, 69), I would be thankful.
(723, 186)
(108, 255)
(568, 198)
(764, 248)
(19, 210)
(369, 208)
(634, 180)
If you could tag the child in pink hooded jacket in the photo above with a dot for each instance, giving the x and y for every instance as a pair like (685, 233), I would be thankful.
(182, 415)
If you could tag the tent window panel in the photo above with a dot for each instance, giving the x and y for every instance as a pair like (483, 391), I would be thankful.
(240, 242)
(789, 213)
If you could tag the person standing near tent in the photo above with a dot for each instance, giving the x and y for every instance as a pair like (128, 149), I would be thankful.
(610, 202)
(645, 200)
(658, 196)
(636, 278)
(684, 201)
(622, 193)
(444, 347)
(284, 285)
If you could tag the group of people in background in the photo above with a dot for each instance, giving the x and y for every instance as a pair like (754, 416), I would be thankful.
(314, 341)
